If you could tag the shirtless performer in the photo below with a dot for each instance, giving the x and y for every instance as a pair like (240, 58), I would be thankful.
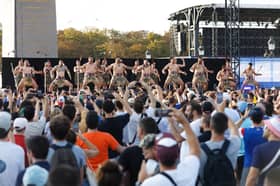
(174, 72)
(225, 78)
(27, 79)
(60, 80)
(250, 74)
(92, 73)
(119, 69)
(146, 73)
(136, 74)
(106, 74)
(155, 73)
(17, 72)
(47, 74)
(79, 74)
(200, 76)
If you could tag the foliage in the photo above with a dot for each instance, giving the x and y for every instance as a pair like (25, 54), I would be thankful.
(111, 43)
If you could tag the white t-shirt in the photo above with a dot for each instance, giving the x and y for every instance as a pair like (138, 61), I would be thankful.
(11, 163)
(231, 113)
(162, 122)
(195, 126)
(130, 129)
(35, 128)
(184, 175)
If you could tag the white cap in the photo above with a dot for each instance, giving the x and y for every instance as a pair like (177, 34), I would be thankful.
(20, 123)
(5, 120)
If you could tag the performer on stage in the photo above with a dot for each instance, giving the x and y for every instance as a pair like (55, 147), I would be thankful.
(119, 69)
(174, 72)
(136, 74)
(92, 73)
(60, 80)
(47, 74)
(79, 74)
(27, 79)
(200, 76)
(106, 74)
(250, 74)
(146, 73)
(18, 72)
(226, 78)
(155, 73)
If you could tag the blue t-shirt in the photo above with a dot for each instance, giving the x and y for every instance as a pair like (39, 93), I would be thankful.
(262, 155)
(246, 124)
(252, 138)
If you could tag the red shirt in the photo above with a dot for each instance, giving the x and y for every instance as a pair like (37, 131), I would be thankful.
(20, 140)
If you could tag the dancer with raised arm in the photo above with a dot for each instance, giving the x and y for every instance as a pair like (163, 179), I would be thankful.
(27, 79)
(200, 76)
(60, 79)
(250, 74)
(119, 69)
(226, 78)
(146, 72)
(174, 72)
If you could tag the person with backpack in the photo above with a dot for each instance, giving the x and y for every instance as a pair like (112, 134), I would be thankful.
(218, 155)
(167, 152)
(61, 151)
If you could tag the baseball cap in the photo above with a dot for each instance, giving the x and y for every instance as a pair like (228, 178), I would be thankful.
(273, 125)
(242, 106)
(148, 141)
(20, 123)
(5, 121)
(207, 107)
(256, 112)
(167, 148)
(131, 100)
(35, 175)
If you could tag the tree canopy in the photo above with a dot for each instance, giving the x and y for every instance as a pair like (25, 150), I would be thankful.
(73, 43)
(111, 43)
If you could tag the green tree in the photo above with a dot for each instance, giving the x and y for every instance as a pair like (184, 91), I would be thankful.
(111, 43)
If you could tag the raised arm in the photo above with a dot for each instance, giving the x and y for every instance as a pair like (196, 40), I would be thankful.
(192, 69)
(256, 74)
(191, 139)
(150, 94)
(182, 65)
(165, 68)
(127, 67)
(124, 103)
(109, 68)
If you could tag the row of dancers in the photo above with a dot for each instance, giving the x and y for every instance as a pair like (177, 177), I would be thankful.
(106, 76)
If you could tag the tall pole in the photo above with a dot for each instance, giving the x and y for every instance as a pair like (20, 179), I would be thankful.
(226, 28)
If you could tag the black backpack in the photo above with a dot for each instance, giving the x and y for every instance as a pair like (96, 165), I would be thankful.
(63, 155)
(218, 170)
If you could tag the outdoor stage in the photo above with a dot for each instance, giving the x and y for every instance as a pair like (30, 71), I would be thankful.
(38, 63)
(269, 67)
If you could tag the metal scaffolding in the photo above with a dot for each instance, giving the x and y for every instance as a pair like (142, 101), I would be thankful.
(232, 36)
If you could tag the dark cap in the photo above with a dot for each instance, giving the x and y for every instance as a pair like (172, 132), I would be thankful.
(167, 148)
(207, 107)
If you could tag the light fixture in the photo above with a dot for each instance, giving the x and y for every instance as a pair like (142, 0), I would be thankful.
(148, 54)
(201, 50)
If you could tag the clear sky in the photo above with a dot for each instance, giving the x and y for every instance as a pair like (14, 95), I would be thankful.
(126, 15)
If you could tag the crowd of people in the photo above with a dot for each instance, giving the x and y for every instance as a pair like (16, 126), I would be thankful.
(122, 133)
